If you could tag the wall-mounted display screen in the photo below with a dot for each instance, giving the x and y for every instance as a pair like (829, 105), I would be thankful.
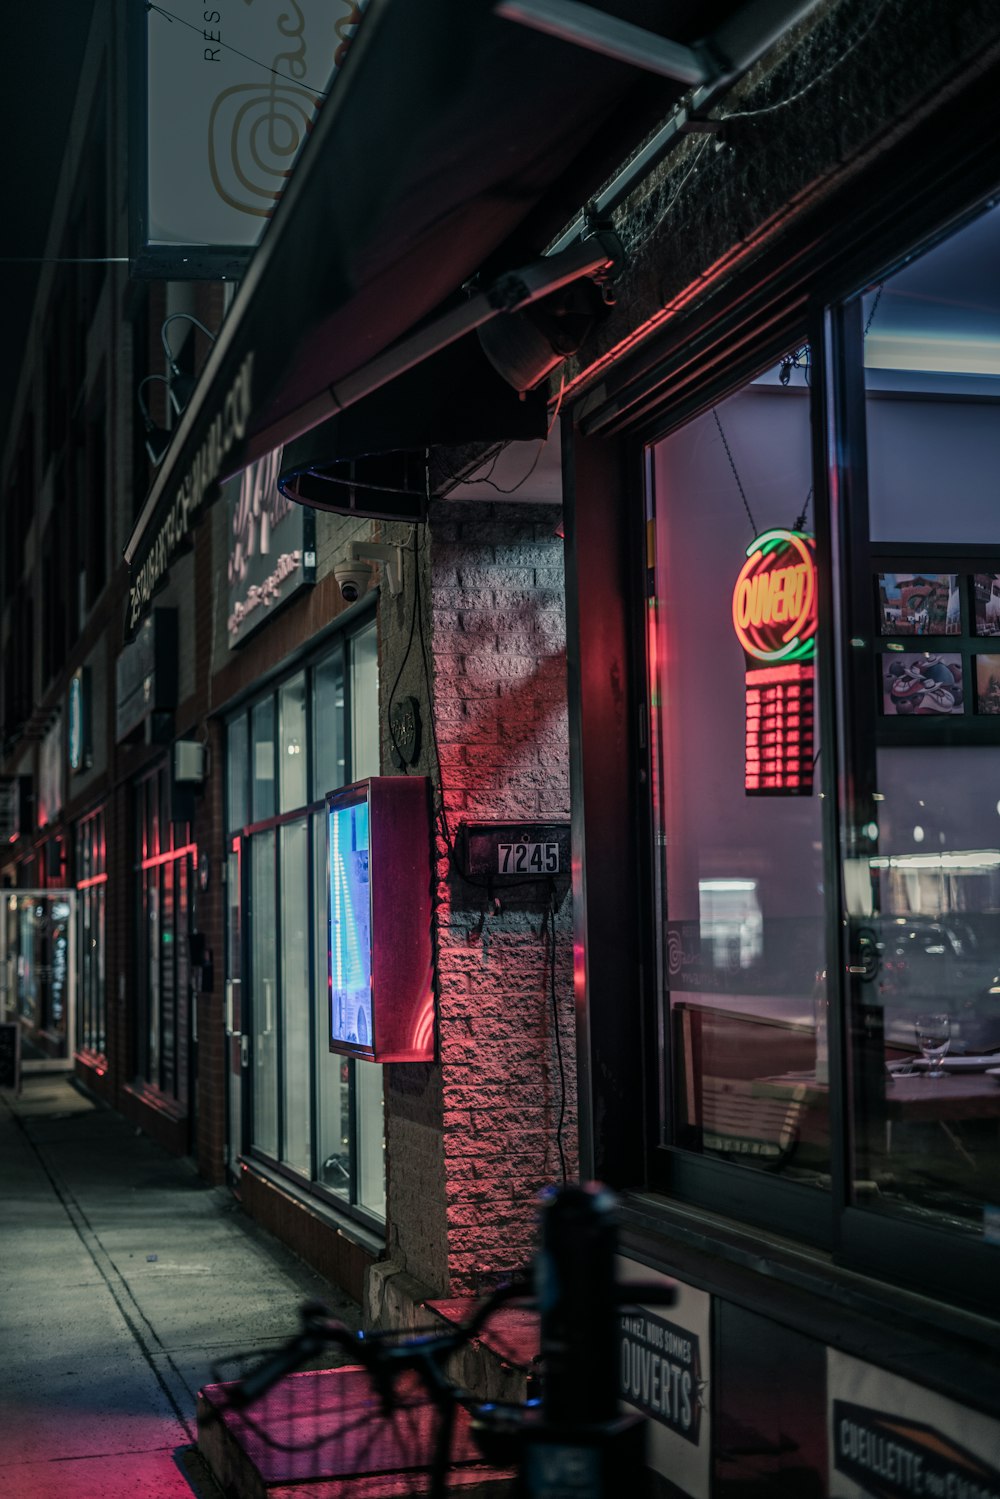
(350, 925)
(380, 981)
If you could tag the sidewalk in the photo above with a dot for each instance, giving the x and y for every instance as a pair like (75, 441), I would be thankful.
(122, 1277)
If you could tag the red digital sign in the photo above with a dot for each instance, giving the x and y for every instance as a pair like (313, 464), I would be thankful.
(774, 615)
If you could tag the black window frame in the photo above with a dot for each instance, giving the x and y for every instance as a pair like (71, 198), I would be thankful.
(340, 641)
(895, 1251)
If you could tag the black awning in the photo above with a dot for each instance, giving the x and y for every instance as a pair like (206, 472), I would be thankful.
(454, 142)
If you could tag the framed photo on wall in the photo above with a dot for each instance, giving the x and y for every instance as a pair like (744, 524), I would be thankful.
(922, 684)
(916, 603)
(987, 684)
(986, 604)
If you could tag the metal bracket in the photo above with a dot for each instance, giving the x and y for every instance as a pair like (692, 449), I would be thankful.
(390, 557)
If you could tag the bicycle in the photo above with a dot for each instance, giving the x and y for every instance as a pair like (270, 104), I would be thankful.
(402, 1426)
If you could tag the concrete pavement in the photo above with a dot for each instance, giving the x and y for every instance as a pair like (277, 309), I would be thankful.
(122, 1277)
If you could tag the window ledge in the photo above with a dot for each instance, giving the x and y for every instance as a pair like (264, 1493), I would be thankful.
(355, 1232)
(781, 1278)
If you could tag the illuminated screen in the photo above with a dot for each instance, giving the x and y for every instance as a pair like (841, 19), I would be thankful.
(350, 926)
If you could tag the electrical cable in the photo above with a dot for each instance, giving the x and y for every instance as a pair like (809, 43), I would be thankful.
(699, 152)
(555, 1025)
(749, 114)
(541, 449)
(169, 15)
(732, 465)
(402, 666)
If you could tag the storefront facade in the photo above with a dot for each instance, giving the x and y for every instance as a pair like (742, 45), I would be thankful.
(788, 818)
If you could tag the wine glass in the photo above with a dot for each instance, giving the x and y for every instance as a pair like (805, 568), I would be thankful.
(933, 1037)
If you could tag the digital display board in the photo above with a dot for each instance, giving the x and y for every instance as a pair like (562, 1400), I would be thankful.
(379, 972)
(350, 918)
(774, 616)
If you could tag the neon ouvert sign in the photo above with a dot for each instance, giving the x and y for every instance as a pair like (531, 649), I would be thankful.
(774, 601)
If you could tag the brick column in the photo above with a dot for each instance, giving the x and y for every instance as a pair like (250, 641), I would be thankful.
(472, 1141)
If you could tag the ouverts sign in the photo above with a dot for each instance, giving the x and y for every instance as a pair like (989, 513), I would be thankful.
(228, 427)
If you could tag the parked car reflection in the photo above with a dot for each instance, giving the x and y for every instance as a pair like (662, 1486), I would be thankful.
(925, 961)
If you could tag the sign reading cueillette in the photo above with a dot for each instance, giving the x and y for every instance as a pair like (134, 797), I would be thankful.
(272, 547)
(889, 1438)
(173, 523)
(774, 616)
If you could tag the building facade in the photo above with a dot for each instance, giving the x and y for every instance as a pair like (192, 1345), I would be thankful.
(781, 905)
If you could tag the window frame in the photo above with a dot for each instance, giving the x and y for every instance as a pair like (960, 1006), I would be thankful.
(895, 1250)
(340, 644)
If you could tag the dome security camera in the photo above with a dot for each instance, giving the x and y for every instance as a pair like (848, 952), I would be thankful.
(353, 580)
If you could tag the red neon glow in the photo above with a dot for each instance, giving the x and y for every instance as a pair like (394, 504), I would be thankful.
(169, 856)
(774, 601)
(779, 730)
(423, 1029)
(95, 879)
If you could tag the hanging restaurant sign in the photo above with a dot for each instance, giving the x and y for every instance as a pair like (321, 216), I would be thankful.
(223, 98)
(774, 616)
(272, 547)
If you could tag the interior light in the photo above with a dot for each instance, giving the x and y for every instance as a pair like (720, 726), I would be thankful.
(918, 834)
(717, 886)
(943, 354)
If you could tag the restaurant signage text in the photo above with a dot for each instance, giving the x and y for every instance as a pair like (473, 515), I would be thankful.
(272, 547)
(170, 531)
(659, 1371)
(664, 1370)
(225, 97)
(892, 1439)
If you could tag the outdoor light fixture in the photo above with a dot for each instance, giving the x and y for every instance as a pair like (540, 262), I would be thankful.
(157, 440)
(180, 386)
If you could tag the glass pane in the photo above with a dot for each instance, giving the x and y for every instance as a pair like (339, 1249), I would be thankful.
(292, 719)
(925, 892)
(263, 760)
(932, 353)
(153, 957)
(364, 704)
(295, 994)
(328, 725)
(168, 989)
(236, 806)
(264, 979)
(738, 830)
(371, 1137)
(332, 1072)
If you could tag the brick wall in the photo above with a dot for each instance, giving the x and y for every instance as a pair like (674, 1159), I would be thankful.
(472, 1139)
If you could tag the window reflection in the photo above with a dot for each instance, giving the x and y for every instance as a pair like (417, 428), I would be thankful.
(925, 902)
(740, 873)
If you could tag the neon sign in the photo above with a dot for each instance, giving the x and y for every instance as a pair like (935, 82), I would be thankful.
(774, 601)
(774, 616)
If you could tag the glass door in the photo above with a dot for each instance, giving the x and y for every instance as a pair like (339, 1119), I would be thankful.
(39, 936)
(237, 1044)
(920, 688)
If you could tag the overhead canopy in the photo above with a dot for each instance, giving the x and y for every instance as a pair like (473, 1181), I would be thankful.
(455, 142)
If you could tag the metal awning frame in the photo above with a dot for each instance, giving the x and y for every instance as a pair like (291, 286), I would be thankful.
(740, 42)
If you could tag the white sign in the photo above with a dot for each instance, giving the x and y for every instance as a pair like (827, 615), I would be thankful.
(271, 549)
(233, 88)
(50, 775)
(889, 1437)
(664, 1366)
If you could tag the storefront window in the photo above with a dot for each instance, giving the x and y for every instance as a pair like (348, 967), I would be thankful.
(318, 1116)
(922, 839)
(735, 736)
(91, 883)
(165, 853)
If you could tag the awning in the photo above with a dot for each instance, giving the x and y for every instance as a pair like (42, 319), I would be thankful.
(455, 142)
